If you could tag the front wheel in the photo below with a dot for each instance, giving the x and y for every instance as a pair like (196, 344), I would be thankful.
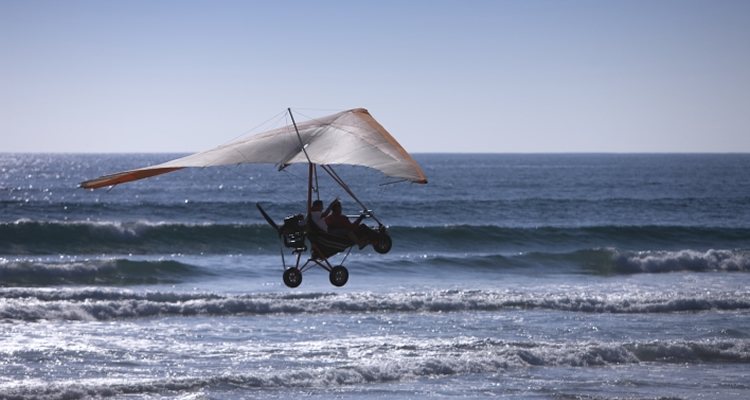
(292, 277)
(339, 275)
(383, 245)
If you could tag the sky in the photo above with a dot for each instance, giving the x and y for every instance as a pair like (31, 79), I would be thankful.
(441, 76)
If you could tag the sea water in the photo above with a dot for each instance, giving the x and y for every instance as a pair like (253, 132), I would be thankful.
(529, 276)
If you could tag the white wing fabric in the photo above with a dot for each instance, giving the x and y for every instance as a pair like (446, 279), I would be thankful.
(351, 137)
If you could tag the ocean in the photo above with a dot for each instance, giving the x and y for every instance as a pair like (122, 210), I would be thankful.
(525, 276)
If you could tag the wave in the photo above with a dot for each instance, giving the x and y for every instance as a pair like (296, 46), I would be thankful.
(118, 271)
(684, 260)
(611, 261)
(105, 272)
(400, 362)
(600, 261)
(26, 237)
(562, 238)
(41, 238)
(122, 271)
(30, 304)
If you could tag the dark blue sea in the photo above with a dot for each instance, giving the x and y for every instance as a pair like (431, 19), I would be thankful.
(526, 276)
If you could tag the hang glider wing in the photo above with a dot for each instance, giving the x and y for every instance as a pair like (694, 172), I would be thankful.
(351, 137)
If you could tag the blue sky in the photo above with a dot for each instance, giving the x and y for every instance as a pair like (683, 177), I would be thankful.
(441, 76)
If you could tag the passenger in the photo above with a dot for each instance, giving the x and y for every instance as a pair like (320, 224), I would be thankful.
(339, 224)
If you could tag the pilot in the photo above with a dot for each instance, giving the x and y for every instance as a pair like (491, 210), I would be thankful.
(317, 215)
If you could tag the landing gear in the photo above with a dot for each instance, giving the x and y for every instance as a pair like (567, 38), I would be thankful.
(323, 245)
(338, 276)
(292, 277)
(384, 244)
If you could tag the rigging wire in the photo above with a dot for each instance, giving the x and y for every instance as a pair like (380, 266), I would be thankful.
(277, 117)
(294, 179)
(266, 188)
(336, 178)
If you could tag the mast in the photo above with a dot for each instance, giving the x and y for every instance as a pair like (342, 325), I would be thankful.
(309, 163)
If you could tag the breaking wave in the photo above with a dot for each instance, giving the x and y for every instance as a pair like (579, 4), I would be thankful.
(398, 362)
(26, 237)
(30, 304)
(604, 261)
(124, 271)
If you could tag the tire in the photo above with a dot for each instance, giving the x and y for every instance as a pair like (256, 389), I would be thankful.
(383, 244)
(338, 276)
(292, 277)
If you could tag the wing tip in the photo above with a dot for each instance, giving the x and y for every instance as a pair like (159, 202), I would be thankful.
(122, 177)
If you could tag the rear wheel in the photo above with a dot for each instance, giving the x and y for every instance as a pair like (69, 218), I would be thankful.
(292, 277)
(383, 245)
(339, 275)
